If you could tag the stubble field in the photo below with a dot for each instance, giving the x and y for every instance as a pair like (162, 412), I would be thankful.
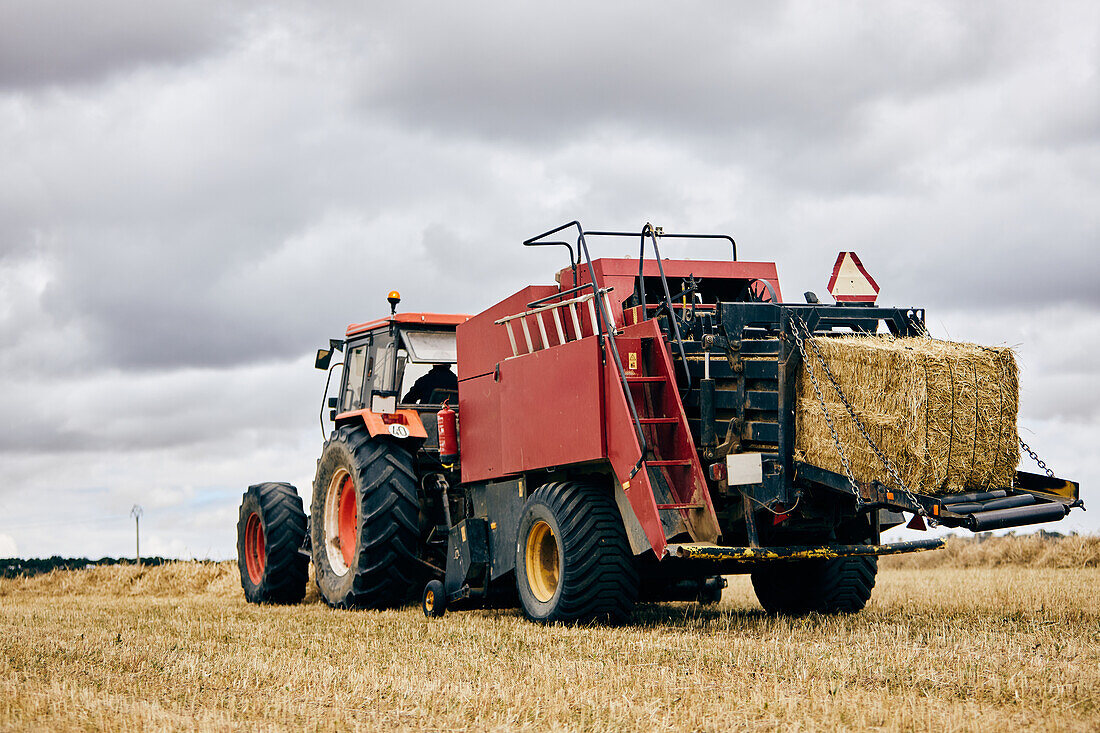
(978, 639)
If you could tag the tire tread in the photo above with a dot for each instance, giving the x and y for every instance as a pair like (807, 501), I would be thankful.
(600, 580)
(285, 526)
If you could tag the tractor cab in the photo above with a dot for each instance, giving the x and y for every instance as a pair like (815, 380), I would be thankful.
(385, 360)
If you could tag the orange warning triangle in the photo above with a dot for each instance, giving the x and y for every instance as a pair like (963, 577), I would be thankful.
(850, 283)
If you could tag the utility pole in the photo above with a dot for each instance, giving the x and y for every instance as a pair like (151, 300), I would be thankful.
(136, 513)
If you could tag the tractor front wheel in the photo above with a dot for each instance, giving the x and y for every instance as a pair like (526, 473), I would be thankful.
(365, 522)
(573, 560)
(270, 532)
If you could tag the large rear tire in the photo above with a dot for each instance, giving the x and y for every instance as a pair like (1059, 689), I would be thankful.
(365, 522)
(842, 585)
(270, 533)
(573, 560)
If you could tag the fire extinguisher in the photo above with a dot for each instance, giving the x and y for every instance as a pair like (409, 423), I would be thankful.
(447, 422)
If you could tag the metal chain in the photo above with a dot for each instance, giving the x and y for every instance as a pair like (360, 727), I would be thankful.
(886, 462)
(828, 418)
(1035, 457)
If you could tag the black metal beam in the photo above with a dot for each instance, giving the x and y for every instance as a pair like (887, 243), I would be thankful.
(716, 553)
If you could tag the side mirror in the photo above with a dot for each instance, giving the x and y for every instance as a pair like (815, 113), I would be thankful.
(324, 356)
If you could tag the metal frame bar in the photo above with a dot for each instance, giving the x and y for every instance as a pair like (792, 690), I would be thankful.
(663, 235)
(716, 553)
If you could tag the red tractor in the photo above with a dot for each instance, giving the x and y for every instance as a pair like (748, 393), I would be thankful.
(626, 434)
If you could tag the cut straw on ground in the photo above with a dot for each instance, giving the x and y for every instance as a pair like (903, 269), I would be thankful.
(176, 648)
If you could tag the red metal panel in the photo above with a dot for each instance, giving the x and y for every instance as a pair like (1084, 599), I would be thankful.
(550, 407)
(482, 344)
(479, 427)
(623, 452)
(622, 271)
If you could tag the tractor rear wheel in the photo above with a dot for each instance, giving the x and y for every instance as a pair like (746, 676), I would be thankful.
(270, 532)
(365, 522)
(841, 585)
(573, 560)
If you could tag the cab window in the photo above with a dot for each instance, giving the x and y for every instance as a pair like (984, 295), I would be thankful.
(430, 347)
(356, 371)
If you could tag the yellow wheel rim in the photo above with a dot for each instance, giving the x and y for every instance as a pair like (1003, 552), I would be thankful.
(543, 563)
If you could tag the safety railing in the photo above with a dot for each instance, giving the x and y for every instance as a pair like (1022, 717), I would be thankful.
(539, 308)
(601, 314)
(652, 233)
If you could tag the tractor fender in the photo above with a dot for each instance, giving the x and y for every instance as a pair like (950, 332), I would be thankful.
(401, 424)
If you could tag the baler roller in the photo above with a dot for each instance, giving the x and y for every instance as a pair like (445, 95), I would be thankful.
(1008, 502)
(974, 496)
(1016, 516)
(983, 511)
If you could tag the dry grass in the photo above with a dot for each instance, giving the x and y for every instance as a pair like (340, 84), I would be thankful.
(944, 412)
(177, 648)
(1033, 550)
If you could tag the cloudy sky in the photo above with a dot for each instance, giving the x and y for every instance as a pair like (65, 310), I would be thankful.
(195, 195)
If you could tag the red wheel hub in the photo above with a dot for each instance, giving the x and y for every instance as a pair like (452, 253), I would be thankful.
(255, 553)
(349, 520)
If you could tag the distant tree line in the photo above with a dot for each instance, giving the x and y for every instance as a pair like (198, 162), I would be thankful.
(19, 567)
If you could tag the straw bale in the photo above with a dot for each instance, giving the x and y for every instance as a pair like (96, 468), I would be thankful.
(944, 413)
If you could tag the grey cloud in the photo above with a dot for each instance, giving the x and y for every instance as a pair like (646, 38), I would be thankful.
(191, 201)
(50, 42)
(779, 69)
(196, 409)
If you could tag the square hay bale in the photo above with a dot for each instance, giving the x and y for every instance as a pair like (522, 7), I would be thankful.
(944, 413)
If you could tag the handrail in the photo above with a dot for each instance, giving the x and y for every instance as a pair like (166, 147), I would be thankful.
(572, 265)
(543, 308)
(570, 291)
(554, 307)
(604, 312)
(666, 235)
(673, 321)
(655, 233)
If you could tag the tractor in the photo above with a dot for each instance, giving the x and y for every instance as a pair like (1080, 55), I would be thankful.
(627, 434)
